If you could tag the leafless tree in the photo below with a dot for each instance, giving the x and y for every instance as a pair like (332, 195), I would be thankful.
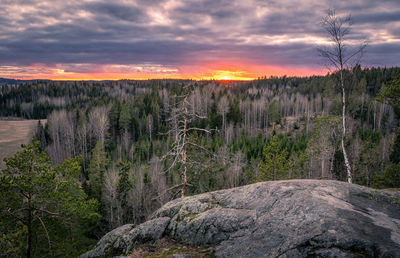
(149, 122)
(229, 133)
(223, 109)
(341, 57)
(237, 164)
(81, 134)
(181, 116)
(111, 205)
(158, 181)
(98, 121)
(61, 129)
(322, 145)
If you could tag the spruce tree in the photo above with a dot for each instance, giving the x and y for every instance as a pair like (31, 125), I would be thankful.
(274, 164)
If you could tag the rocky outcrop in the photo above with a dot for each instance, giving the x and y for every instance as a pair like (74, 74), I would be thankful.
(297, 218)
(122, 239)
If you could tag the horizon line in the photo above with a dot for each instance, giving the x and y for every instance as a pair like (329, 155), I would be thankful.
(182, 79)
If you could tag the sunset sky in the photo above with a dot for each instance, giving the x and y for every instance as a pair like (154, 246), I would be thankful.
(210, 39)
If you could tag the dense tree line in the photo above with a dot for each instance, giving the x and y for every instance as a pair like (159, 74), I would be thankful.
(129, 134)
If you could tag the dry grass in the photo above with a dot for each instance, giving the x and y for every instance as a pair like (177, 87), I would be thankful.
(13, 133)
(168, 248)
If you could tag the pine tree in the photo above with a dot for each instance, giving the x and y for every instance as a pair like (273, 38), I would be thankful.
(43, 210)
(274, 113)
(123, 187)
(96, 170)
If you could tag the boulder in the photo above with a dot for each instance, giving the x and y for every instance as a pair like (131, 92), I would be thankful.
(121, 240)
(295, 218)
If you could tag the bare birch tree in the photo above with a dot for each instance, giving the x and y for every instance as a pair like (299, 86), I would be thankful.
(98, 121)
(341, 57)
(109, 198)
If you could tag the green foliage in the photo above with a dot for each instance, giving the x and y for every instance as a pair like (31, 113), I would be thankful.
(43, 204)
(390, 93)
(96, 170)
(40, 134)
(252, 148)
(125, 117)
(274, 112)
(298, 165)
(395, 154)
(300, 143)
(389, 179)
(274, 164)
(369, 136)
(124, 185)
(234, 114)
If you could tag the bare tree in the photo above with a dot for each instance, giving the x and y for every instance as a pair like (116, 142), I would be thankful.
(158, 181)
(109, 197)
(81, 134)
(149, 122)
(341, 57)
(237, 164)
(181, 117)
(98, 121)
(322, 145)
(223, 109)
(61, 129)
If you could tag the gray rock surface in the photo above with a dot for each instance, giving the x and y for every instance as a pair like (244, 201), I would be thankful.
(121, 240)
(296, 218)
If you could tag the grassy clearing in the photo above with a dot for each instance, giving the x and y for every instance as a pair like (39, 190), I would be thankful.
(13, 133)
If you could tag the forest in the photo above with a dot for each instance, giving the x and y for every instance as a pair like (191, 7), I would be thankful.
(112, 152)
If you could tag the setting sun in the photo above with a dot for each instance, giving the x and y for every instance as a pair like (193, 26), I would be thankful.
(225, 78)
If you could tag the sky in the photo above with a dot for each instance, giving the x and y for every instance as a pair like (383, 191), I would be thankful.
(193, 39)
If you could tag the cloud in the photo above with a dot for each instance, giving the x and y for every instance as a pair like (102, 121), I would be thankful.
(116, 11)
(176, 34)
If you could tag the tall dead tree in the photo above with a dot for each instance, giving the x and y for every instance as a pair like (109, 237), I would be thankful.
(341, 57)
(181, 117)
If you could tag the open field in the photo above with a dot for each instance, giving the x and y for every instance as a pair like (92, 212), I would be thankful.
(13, 133)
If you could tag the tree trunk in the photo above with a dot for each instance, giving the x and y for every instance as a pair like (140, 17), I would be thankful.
(29, 225)
(331, 165)
(184, 177)
(346, 159)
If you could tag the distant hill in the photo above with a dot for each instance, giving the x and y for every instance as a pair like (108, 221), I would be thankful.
(13, 81)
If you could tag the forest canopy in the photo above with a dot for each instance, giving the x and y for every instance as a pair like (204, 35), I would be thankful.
(104, 152)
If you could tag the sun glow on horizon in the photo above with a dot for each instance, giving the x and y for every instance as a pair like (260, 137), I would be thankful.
(225, 78)
(214, 71)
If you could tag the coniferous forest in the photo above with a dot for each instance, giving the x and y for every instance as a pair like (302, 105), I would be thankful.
(107, 153)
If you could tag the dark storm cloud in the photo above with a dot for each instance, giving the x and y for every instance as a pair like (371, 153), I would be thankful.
(99, 52)
(179, 33)
(116, 10)
(279, 23)
(378, 17)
